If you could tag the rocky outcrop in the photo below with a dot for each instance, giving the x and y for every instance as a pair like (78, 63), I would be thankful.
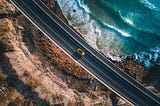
(39, 73)
(28, 76)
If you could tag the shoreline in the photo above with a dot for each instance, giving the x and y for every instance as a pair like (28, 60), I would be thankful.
(36, 72)
(120, 64)
(87, 22)
(134, 68)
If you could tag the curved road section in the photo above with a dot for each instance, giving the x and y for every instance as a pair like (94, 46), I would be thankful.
(93, 61)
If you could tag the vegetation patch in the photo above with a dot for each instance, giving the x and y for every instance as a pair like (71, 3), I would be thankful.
(33, 84)
(4, 89)
(2, 78)
(2, 96)
(5, 45)
(60, 62)
(80, 86)
(26, 74)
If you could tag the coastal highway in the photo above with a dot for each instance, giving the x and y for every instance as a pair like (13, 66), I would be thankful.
(93, 61)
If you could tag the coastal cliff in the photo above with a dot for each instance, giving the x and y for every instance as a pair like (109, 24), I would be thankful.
(34, 71)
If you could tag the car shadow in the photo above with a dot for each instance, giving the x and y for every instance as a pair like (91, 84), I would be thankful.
(76, 55)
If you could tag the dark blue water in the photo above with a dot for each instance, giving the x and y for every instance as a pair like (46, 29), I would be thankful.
(118, 28)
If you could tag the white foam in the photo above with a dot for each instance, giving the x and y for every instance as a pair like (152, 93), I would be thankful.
(155, 56)
(123, 33)
(98, 37)
(129, 21)
(107, 41)
(149, 5)
(149, 57)
(81, 21)
(81, 3)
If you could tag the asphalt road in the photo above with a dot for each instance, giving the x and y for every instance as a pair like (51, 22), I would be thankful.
(99, 66)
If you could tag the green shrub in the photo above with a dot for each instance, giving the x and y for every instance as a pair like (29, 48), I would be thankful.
(2, 97)
(2, 78)
(26, 74)
(4, 44)
(33, 84)
(80, 87)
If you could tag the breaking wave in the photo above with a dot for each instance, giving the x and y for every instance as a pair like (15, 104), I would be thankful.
(116, 28)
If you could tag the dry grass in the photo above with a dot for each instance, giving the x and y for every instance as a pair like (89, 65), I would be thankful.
(33, 84)
(62, 61)
(4, 43)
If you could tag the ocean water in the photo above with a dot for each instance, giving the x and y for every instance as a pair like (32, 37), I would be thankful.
(118, 28)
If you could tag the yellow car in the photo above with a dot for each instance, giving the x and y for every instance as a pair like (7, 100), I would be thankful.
(81, 52)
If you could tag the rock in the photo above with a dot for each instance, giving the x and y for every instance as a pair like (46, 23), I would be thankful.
(121, 102)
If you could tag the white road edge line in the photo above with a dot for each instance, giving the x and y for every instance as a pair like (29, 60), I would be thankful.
(71, 56)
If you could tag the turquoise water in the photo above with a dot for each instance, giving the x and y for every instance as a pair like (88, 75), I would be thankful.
(118, 28)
